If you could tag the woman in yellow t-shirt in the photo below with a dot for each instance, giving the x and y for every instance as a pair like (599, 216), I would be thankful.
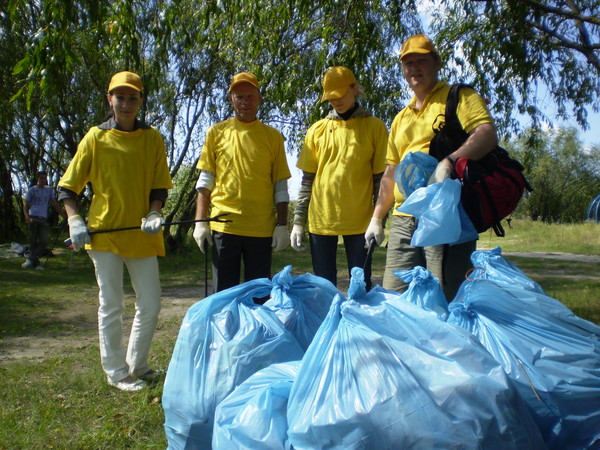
(125, 162)
(342, 159)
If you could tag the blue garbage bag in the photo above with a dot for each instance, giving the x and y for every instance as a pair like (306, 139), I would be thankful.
(424, 290)
(414, 171)
(223, 340)
(301, 302)
(382, 373)
(442, 219)
(254, 416)
(552, 356)
(490, 265)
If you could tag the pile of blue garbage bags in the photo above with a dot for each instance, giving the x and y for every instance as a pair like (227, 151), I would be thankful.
(503, 366)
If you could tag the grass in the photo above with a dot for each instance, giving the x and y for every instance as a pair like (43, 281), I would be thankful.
(63, 401)
(528, 236)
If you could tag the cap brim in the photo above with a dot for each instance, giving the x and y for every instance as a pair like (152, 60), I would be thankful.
(112, 88)
(333, 94)
(420, 51)
(233, 85)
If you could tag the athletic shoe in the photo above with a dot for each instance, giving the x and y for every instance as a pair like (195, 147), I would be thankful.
(129, 386)
(27, 265)
(39, 267)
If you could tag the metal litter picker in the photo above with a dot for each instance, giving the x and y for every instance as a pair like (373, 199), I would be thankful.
(217, 218)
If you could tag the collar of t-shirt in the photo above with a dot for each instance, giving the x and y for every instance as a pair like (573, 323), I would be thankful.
(112, 124)
(353, 113)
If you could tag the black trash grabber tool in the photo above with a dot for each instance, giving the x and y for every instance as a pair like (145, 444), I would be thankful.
(205, 269)
(217, 218)
(372, 245)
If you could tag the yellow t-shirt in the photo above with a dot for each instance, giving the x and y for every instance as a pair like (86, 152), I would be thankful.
(412, 129)
(344, 155)
(247, 159)
(122, 168)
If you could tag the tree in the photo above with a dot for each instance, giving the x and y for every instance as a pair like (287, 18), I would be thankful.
(515, 49)
(564, 174)
(58, 56)
(187, 52)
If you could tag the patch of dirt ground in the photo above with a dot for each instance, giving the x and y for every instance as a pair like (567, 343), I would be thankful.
(84, 330)
(175, 303)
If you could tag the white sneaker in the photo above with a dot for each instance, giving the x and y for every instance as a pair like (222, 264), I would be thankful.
(39, 267)
(129, 386)
(27, 265)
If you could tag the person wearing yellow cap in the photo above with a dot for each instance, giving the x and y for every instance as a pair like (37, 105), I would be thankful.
(342, 160)
(125, 162)
(412, 131)
(243, 172)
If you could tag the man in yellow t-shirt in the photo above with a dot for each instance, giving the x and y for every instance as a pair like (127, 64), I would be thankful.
(244, 173)
(342, 159)
(412, 131)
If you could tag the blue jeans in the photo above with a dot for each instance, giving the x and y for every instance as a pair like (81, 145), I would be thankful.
(38, 238)
(323, 250)
(229, 250)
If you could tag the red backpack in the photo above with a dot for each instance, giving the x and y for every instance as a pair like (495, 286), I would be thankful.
(491, 186)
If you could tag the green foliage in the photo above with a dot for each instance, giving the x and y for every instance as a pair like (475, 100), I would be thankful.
(57, 58)
(512, 49)
(186, 52)
(564, 174)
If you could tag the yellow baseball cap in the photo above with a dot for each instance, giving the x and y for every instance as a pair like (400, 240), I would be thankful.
(243, 77)
(419, 43)
(336, 82)
(126, 79)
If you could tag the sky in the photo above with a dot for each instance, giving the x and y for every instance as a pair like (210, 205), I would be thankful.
(589, 137)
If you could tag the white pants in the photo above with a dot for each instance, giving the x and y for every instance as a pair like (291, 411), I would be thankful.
(144, 276)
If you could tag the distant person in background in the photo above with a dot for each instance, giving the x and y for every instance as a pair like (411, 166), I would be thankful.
(126, 164)
(37, 201)
(243, 172)
(342, 160)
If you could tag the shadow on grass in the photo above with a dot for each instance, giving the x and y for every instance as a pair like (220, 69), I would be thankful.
(21, 317)
(557, 267)
(46, 302)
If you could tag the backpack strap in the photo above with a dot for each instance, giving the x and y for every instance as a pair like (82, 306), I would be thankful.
(452, 127)
(449, 133)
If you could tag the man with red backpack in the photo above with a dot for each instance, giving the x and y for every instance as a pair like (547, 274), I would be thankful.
(412, 131)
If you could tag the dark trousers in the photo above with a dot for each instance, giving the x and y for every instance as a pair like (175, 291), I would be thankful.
(38, 238)
(323, 250)
(228, 252)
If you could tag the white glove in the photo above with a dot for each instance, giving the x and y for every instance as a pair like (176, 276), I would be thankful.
(202, 235)
(296, 237)
(441, 172)
(152, 223)
(374, 231)
(281, 239)
(78, 232)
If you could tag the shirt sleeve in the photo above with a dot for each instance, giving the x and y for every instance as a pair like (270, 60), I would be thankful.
(307, 160)
(380, 144)
(472, 110)
(78, 172)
